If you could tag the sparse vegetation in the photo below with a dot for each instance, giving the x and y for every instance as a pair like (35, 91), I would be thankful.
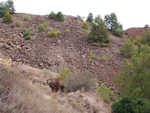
(53, 33)
(67, 31)
(80, 32)
(85, 25)
(128, 49)
(113, 25)
(64, 74)
(78, 81)
(7, 18)
(17, 23)
(52, 15)
(26, 18)
(104, 58)
(7, 6)
(105, 93)
(99, 33)
(92, 55)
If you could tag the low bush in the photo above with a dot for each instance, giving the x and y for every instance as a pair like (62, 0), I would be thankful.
(64, 74)
(128, 49)
(26, 18)
(85, 25)
(42, 27)
(131, 105)
(26, 34)
(78, 81)
(53, 33)
(105, 93)
(52, 15)
(67, 31)
(17, 23)
(7, 18)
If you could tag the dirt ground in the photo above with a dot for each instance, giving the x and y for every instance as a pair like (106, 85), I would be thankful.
(68, 50)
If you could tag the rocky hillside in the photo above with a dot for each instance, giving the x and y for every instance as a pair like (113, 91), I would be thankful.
(68, 50)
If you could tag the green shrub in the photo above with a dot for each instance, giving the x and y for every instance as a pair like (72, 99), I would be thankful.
(26, 18)
(7, 18)
(85, 25)
(138, 40)
(7, 6)
(52, 15)
(26, 34)
(105, 93)
(78, 81)
(128, 49)
(67, 31)
(146, 38)
(131, 105)
(17, 23)
(53, 33)
(60, 16)
(45, 25)
(42, 27)
(64, 74)
(99, 33)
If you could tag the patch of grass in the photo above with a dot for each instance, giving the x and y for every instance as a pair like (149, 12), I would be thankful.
(26, 18)
(104, 58)
(67, 31)
(92, 55)
(101, 44)
(80, 32)
(83, 30)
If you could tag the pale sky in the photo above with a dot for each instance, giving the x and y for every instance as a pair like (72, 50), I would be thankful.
(130, 13)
